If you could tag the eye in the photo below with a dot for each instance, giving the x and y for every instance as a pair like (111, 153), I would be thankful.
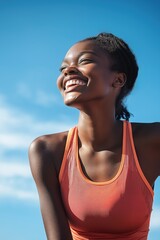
(85, 60)
(61, 69)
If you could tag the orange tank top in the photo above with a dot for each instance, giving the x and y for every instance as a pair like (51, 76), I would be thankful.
(116, 209)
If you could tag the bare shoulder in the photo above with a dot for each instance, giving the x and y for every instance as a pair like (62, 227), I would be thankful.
(45, 156)
(147, 142)
(148, 132)
(46, 152)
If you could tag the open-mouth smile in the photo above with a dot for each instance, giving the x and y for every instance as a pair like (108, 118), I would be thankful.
(73, 82)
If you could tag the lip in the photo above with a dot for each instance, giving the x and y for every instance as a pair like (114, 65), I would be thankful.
(73, 77)
(72, 88)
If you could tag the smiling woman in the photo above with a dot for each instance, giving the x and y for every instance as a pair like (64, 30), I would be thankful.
(96, 180)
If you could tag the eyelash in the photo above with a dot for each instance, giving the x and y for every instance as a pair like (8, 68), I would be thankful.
(85, 60)
(81, 61)
(61, 69)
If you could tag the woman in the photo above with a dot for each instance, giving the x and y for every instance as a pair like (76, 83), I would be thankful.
(96, 180)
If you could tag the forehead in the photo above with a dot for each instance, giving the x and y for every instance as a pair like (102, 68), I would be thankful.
(84, 47)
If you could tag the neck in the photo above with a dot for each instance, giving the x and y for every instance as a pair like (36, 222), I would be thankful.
(98, 128)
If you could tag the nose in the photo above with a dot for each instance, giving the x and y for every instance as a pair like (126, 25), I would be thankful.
(70, 70)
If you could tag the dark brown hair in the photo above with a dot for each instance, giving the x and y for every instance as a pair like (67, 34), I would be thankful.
(123, 61)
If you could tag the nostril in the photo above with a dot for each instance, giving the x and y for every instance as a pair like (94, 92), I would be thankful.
(70, 70)
(65, 73)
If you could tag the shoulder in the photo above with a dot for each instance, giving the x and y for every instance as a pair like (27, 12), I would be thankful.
(48, 143)
(147, 132)
(147, 142)
(46, 152)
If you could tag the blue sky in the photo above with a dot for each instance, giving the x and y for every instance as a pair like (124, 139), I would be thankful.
(34, 36)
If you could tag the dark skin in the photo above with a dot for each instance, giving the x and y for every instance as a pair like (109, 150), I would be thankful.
(100, 135)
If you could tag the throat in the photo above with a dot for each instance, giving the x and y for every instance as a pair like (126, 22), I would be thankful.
(100, 159)
(100, 139)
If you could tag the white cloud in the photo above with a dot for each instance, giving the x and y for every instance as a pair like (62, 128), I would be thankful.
(16, 181)
(39, 97)
(11, 191)
(14, 141)
(155, 218)
(17, 130)
(14, 169)
(44, 99)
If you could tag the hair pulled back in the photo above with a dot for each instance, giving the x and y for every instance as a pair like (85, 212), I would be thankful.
(124, 61)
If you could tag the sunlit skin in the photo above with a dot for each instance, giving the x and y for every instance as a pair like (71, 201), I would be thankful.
(100, 134)
(87, 62)
(96, 99)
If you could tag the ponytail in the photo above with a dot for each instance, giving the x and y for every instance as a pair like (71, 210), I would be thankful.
(121, 111)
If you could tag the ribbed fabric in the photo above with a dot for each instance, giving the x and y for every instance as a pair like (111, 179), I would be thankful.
(116, 209)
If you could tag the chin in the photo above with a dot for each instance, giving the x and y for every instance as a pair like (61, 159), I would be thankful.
(73, 101)
(70, 103)
(70, 99)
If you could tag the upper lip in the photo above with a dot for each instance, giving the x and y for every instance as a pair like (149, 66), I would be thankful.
(71, 77)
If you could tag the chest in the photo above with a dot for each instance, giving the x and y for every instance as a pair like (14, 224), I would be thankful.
(95, 206)
(104, 165)
(100, 166)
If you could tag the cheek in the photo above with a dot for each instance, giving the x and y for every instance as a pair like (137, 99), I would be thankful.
(100, 76)
(59, 82)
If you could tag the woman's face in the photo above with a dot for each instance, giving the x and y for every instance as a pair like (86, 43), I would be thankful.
(85, 75)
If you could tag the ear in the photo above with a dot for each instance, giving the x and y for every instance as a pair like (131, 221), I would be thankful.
(119, 80)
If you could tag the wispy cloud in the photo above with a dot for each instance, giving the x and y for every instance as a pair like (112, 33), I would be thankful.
(16, 181)
(10, 190)
(14, 140)
(17, 130)
(155, 217)
(39, 97)
(14, 169)
(44, 99)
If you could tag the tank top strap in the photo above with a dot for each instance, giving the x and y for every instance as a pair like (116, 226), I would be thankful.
(131, 149)
(69, 141)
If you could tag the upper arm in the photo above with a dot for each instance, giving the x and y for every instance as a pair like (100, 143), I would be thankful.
(156, 141)
(152, 147)
(45, 176)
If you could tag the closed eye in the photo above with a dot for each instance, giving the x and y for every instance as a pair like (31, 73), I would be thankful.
(85, 60)
(81, 61)
(62, 68)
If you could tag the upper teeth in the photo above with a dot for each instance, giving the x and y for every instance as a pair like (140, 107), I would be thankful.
(70, 82)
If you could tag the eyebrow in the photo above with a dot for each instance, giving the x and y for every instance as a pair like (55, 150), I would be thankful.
(82, 53)
(88, 51)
